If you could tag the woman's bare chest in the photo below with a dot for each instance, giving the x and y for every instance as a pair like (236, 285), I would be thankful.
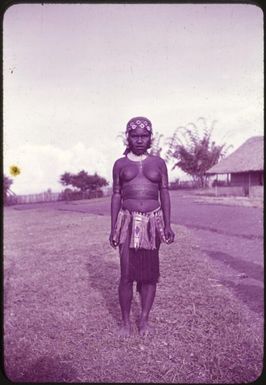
(140, 170)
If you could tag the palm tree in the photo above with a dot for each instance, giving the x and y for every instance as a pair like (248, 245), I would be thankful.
(195, 152)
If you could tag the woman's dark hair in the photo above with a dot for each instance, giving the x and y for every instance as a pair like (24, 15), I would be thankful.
(127, 150)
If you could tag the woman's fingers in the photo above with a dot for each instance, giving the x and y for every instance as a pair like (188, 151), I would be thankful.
(113, 243)
(169, 237)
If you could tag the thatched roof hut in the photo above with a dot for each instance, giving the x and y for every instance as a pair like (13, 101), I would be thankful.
(248, 157)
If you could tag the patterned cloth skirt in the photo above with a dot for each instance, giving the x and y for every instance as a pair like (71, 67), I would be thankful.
(139, 257)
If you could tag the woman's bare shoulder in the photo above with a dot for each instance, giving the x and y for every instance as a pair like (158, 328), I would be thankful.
(120, 162)
(157, 159)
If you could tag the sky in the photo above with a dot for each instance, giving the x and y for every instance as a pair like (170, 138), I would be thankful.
(74, 74)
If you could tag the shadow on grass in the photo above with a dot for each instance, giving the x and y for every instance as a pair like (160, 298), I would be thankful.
(104, 277)
(252, 295)
(44, 369)
(253, 270)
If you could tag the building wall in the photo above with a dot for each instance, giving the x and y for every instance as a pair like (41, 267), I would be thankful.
(229, 191)
(256, 191)
(237, 191)
(254, 178)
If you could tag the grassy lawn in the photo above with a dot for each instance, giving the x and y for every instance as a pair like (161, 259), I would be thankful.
(61, 310)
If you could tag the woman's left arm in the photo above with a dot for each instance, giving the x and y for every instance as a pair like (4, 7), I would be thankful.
(165, 203)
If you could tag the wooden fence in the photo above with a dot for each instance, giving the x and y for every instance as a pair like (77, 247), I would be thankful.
(34, 198)
(12, 199)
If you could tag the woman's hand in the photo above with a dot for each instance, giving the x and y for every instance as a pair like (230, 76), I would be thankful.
(113, 243)
(169, 235)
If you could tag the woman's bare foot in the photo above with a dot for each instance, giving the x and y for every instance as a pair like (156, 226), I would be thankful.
(125, 331)
(144, 328)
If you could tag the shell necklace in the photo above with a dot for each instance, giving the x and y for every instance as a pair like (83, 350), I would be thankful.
(137, 158)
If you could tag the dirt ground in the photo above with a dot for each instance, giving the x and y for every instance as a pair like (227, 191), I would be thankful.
(61, 309)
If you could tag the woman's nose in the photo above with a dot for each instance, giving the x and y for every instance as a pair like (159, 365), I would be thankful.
(139, 139)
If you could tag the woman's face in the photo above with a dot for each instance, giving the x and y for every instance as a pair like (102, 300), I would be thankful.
(139, 140)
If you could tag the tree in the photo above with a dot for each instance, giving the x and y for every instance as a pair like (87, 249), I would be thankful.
(193, 152)
(7, 191)
(83, 181)
(7, 183)
(155, 146)
(65, 179)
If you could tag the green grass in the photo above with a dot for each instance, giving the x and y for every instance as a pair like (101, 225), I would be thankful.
(61, 310)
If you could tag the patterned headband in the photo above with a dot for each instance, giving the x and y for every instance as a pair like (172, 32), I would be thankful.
(139, 121)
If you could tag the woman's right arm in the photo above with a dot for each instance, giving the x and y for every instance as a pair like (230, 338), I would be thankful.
(115, 200)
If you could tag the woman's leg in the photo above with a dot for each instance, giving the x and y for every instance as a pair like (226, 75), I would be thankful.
(147, 297)
(125, 298)
(125, 290)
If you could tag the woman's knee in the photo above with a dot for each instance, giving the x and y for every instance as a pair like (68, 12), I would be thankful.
(125, 281)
